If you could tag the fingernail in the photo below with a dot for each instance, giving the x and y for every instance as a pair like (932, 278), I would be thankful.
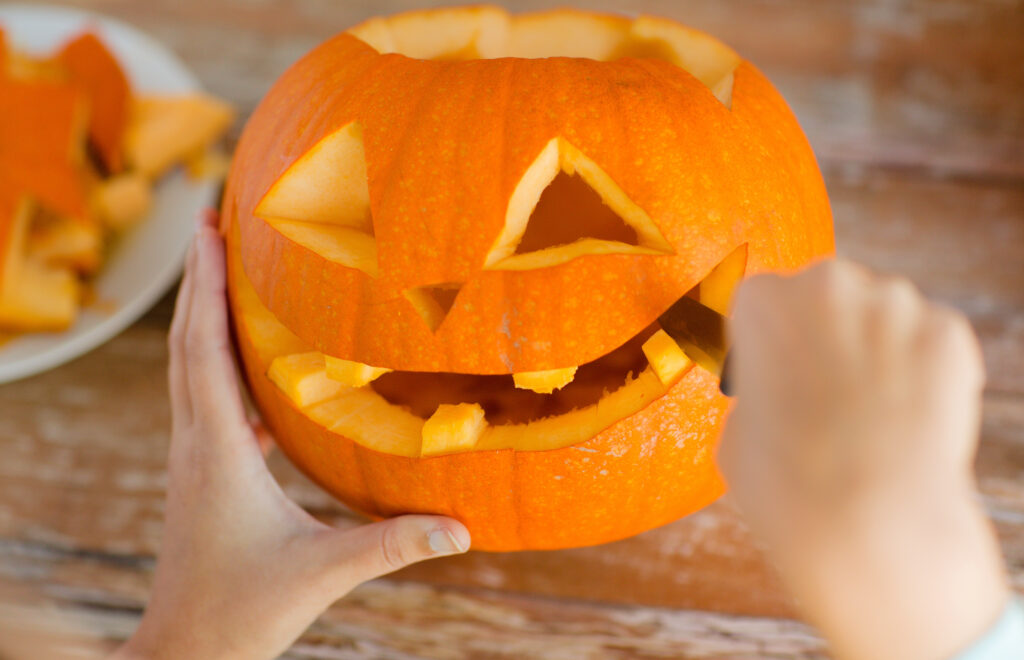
(443, 542)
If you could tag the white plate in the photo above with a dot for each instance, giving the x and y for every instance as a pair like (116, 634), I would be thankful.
(148, 259)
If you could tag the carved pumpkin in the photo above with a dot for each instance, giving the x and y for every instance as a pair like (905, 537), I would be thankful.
(450, 234)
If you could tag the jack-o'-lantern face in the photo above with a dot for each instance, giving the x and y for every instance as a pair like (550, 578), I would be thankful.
(451, 234)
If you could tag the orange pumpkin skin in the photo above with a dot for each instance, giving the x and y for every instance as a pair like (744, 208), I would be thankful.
(93, 68)
(446, 143)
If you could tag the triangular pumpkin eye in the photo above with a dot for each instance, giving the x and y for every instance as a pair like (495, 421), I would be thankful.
(323, 201)
(434, 302)
(566, 207)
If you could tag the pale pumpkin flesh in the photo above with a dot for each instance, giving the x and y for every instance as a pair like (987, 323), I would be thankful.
(490, 32)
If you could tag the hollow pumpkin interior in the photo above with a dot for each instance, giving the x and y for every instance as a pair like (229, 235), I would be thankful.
(468, 33)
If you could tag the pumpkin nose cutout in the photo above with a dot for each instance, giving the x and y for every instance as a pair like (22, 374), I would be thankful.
(433, 302)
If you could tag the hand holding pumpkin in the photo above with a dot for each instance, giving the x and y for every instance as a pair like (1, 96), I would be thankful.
(243, 570)
(849, 452)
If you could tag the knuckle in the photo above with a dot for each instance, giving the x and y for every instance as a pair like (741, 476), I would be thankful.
(950, 331)
(830, 274)
(896, 299)
(392, 551)
(198, 348)
(174, 340)
(949, 324)
(899, 290)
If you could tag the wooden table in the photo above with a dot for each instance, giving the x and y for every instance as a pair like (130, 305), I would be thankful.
(916, 110)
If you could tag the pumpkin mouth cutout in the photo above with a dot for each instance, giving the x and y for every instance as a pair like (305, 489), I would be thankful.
(503, 403)
(420, 414)
(475, 33)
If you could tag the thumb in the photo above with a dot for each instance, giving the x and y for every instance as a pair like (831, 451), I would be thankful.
(369, 551)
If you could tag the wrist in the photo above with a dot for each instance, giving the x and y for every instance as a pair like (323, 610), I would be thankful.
(902, 579)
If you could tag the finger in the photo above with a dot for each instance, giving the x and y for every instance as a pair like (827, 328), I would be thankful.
(181, 406)
(951, 331)
(895, 313)
(361, 554)
(212, 380)
(264, 438)
(211, 218)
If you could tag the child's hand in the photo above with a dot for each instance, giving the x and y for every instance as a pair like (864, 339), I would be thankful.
(243, 570)
(849, 452)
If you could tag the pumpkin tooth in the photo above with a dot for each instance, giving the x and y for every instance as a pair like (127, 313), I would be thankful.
(544, 382)
(453, 428)
(717, 289)
(666, 357)
(352, 374)
(303, 379)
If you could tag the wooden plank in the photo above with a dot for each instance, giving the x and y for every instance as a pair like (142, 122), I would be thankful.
(922, 84)
(962, 242)
(90, 604)
(84, 446)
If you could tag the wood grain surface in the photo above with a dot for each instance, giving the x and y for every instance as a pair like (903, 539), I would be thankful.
(916, 110)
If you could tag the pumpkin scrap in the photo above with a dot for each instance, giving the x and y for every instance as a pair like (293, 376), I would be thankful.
(545, 382)
(303, 378)
(63, 242)
(121, 201)
(352, 374)
(163, 131)
(63, 123)
(453, 428)
(93, 69)
(667, 359)
(32, 295)
(41, 127)
(494, 216)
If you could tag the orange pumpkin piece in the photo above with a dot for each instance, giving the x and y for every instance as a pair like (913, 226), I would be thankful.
(352, 374)
(15, 64)
(453, 428)
(502, 206)
(163, 131)
(42, 129)
(92, 68)
(121, 201)
(544, 382)
(63, 242)
(303, 378)
(666, 357)
(717, 288)
(32, 296)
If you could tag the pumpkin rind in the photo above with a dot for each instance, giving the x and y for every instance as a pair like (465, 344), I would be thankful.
(94, 70)
(712, 161)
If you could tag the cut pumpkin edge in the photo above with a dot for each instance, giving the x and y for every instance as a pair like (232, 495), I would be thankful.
(490, 32)
(365, 417)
